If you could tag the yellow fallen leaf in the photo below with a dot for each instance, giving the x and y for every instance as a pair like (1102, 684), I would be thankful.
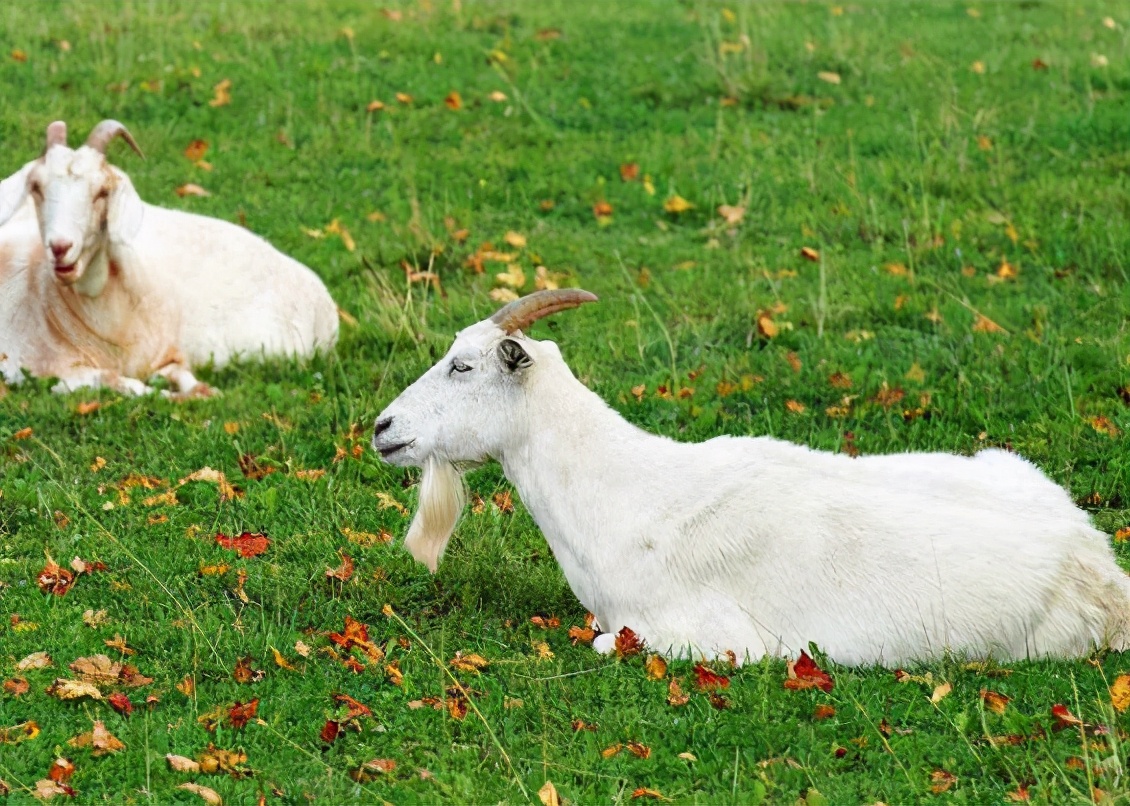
(1120, 693)
(403, 98)
(828, 76)
(375, 106)
(503, 295)
(513, 276)
(733, 215)
(210, 796)
(498, 97)
(515, 239)
(677, 204)
(548, 794)
(222, 95)
(940, 692)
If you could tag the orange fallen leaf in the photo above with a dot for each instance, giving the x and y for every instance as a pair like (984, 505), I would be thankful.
(708, 680)
(675, 695)
(602, 209)
(984, 324)
(344, 572)
(192, 189)
(53, 579)
(99, 739)
(1120, 693)
(941, 781)
(248, 544)
(196, 150)
(644, 792)
(655, 667)
(61, 770)
(209, 796)
(995, 702)
(805, 674)
(453, 101)
(403, 98)
(639, 750)
(627, 643)
(808, 253)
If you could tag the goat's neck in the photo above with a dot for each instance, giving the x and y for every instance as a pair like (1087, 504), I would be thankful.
(571, 460)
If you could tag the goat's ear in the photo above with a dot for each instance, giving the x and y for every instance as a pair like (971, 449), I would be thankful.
(13, 191)
(126, 210)
(513, 356)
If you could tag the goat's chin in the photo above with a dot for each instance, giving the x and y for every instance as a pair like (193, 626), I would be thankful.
(442, 496)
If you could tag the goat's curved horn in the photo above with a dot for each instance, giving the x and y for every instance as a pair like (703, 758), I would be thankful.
(106, 131)
(521, 313)
(56, 134)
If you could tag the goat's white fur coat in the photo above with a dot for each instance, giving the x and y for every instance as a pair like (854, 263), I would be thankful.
(754, 544)
(140, 289)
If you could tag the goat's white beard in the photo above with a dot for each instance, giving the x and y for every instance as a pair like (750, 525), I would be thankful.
(442, 496)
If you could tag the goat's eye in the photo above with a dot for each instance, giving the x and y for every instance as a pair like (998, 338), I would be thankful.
(459, 366)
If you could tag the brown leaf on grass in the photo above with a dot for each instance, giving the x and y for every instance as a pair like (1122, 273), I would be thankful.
(222, 94)
(504, 502)
(16, 687)
(453, 101)
(98, 669)
(213, 760)
(457, 707)
(887, 397)
(191, 189)
(119, 643)
(808, 253)
(403, 98)
(99, 739)
(61, 770)
(548, 795)
(132, 678)
(196, 150)
(984, 324)
(675, 695)
(207, 474)
(638, 749)
(53, 579)
(240, 713)
(644, 792)
(940, 692)
(355, 709)
(245, 672)
(248, 544)
(63, 689)
(629, 172)
(470, 663)
(187, 686)
(823, 712)
(46, 789)
(611, 750)
(579, 724)
(602, 209)
(545, 623)
(120, 703)
(210, 796)
(1104, 426)
(655, 667)
(731, 214)
(344, 572)
(627, 643)
(581, 635)
(995, 702)
(766, 327)
(805, 674)
(36, 660)
(181, 763)
(1065, 719)
(374, 767)
(795, 406)
(941, 781)
(1020, 794)
(252, 468)
(393, 673)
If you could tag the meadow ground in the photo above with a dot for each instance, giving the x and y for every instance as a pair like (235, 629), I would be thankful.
(959, 173)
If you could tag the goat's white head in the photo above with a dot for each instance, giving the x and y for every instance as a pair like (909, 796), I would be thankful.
(465, 409)
(80, 199)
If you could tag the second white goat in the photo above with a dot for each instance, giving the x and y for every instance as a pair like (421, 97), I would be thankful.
(755, 545)
(99, 288)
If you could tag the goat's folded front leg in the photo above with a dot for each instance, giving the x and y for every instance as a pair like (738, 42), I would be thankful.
(184, 383)
(94, 378)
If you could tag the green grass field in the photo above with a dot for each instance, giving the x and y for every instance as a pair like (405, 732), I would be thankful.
(960, 171)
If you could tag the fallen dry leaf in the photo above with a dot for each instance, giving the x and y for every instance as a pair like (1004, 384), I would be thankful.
(120, 703)
(222, 94)
(676, 204)
(644, 792)
(53, 579)
(239, 714)
(997, 703)
(98, 669)
(805, 674)
(23, 732)
(46, 789)
(675, 695)
(629, 172)
(282, 662)
(1120, 693)
(732, 214)
(196, 150)
(64, 689)
(471, 663)
(808, 253)
(16, 687)
(36, 660)
(941, 781)
(627, 643)
(655, 667)
(940, 692)
(344, 572)
(548, 794)
(248, 544)
(828, 76)
(99, 739)
(497, 97)
(61, 770)
(181, 763)
(602, 209)
(192, 189)
(611, 750)
(210, 796)
(453, 101)
(245, 672)
(207, 474)
(584, 635)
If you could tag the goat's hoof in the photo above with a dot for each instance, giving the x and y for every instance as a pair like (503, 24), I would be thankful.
(604, 643)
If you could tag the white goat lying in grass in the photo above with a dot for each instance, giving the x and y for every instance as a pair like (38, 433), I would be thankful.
(99, 288)
(755, 544)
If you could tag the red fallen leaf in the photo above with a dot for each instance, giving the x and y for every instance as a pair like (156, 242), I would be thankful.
(61, 771)
(55, 580)
(1065, 719)
(242, 713)
(248, 544)
(804, 674)
(344, 572)
(130, 676)
(330, 731)
(244, 672)
(356, 708)
(627, 643)
(120, 703)
(16, 686)
(354, 634)
(707, 680)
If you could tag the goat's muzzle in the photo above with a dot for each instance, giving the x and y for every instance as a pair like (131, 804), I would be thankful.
(382, 446)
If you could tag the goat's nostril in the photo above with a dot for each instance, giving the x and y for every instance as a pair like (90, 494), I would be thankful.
(60, 248)
(382, 425)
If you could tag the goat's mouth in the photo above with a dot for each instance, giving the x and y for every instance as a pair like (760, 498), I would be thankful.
(388, 450)
(65, 271)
